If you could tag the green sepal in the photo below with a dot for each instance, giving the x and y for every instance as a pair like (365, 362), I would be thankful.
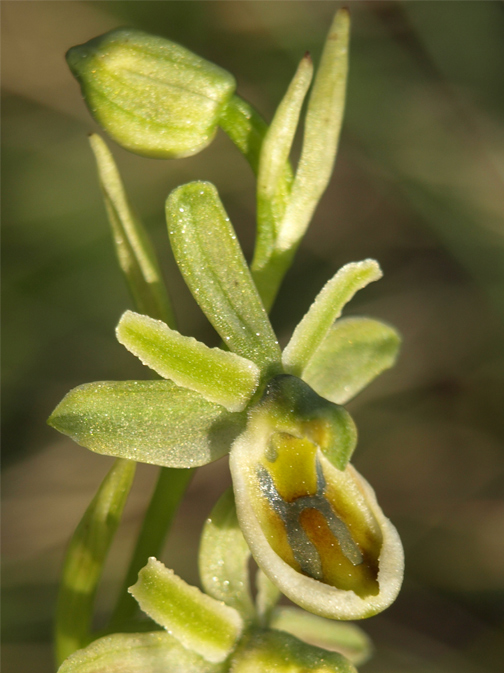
(212, 263)
(224, 557)
(327, 307)
(85, 557)
(134, 249)
(280, 652)
(347, 639)
(274, 156)
(354, 352)
(197, 621)
(151, 95)
(322, 129)
(221, 377)
(148, 421)
(155, 652)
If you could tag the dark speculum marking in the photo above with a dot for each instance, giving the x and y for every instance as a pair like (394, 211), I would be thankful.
(305, 552)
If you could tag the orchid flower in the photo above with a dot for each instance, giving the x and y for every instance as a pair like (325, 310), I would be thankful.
(310, 519)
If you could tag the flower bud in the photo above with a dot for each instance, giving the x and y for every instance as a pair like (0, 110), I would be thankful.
(151, 95)
(314, 529)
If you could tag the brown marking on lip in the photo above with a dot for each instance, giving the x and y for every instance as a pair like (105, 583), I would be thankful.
(337, 570)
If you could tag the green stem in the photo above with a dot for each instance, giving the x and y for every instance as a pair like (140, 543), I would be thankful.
(169, 490)
(85, 557)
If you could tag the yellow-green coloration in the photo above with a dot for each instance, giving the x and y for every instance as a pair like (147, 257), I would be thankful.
(291, 463)
(199, 622)
(151, 95)
(293, 407)
(310, 522)
(221, 377)
(278, 652)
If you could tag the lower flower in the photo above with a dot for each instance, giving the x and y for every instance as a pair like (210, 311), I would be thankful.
(316, 530)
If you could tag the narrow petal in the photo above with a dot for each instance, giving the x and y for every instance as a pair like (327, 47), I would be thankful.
(197, 621)
(212, 263)
(328, 304)
(224, 557)
(221, 377)
(155, 652)
(353, 353)
(148, 421)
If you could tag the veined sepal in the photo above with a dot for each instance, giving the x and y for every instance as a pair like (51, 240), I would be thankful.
(151, 95)
(315, 530)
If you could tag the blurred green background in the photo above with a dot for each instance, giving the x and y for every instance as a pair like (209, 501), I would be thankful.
(419, 185)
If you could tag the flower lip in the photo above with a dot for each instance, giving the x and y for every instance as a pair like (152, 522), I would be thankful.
(317, 531)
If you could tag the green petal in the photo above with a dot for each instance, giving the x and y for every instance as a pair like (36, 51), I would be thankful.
(85, 557)
(156, 652)
(135, 253)
(322, 129)
(328, 304)
(354, 352)
(151, 95)
(199, 622)
(212, 263)
(221, 377)
(348, 639)
(279, 652)
(224, 556)
(148, 421)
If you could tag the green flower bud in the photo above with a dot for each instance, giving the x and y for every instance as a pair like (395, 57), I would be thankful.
(312, 522)
(151, 95)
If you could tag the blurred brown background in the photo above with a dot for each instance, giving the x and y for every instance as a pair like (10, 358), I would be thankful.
(419, 185)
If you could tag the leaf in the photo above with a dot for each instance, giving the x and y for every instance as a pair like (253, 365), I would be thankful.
(135, 253)
(279, 652)
(354, 352)
(224, 556)
(322, 129)
(221, 377)
(197, 621)
(328, 304)
(85, 557)
(212, 263)
(148, 421)
(348, 639)
(155, 652)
